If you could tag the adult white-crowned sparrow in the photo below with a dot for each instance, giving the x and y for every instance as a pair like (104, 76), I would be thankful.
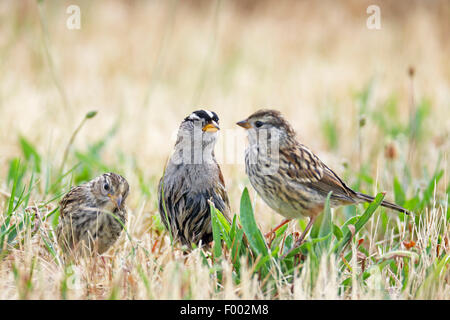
(191, 178)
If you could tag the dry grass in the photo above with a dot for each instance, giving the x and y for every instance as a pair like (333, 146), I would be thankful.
(146, 65)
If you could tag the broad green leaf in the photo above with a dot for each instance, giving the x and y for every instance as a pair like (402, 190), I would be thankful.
(224, 227)
(233, 228)
(251, 230)
(223, 221)
(218, 234)
(337, 232)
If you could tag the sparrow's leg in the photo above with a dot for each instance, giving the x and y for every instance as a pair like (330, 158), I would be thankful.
(302, 236)
(268, 234)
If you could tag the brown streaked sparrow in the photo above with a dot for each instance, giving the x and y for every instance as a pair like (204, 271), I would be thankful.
(93, 214)
(288, 176)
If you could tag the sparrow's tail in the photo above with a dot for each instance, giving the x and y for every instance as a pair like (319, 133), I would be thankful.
(386, 204)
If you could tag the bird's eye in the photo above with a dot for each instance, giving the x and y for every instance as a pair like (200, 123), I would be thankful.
(258, 124)
(106, 187)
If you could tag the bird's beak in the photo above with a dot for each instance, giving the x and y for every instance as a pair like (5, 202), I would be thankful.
(244, 124)
(117, 200)
(211, 127)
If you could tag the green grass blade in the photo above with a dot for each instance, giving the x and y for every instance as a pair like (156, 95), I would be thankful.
(361, 221)
(251, 230)
(217, 249)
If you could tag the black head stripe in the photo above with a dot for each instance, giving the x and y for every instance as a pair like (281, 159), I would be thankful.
(202, 115)
(215, 117)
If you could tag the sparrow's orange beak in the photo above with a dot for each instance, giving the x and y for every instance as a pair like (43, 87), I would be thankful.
(211, 127)
(244, 124)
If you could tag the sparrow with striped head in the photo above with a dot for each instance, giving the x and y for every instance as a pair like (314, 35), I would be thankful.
(288, 176)
(92, 215)
(191, 179)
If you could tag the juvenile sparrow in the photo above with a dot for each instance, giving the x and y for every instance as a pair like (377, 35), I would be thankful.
(93, 214)
(288, 176)
(191, 178)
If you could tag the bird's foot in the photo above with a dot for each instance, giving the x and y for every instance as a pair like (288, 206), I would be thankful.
(268, 234)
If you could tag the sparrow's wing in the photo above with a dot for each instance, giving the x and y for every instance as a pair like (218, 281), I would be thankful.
(222, 192)
(71, 200)
(306, 168)
(73, 213)
(302, 165)
(169, 196)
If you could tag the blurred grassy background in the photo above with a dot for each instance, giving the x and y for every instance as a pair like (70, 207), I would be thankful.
(145, 65)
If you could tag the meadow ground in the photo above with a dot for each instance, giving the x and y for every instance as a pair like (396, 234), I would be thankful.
(372, 104)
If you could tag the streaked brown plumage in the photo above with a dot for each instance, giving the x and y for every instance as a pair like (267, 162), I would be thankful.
(192, 178)
(290, 178)
(93, 214)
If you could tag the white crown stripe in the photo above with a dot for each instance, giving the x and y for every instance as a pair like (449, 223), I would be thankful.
(209, 113)
(194, 117)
